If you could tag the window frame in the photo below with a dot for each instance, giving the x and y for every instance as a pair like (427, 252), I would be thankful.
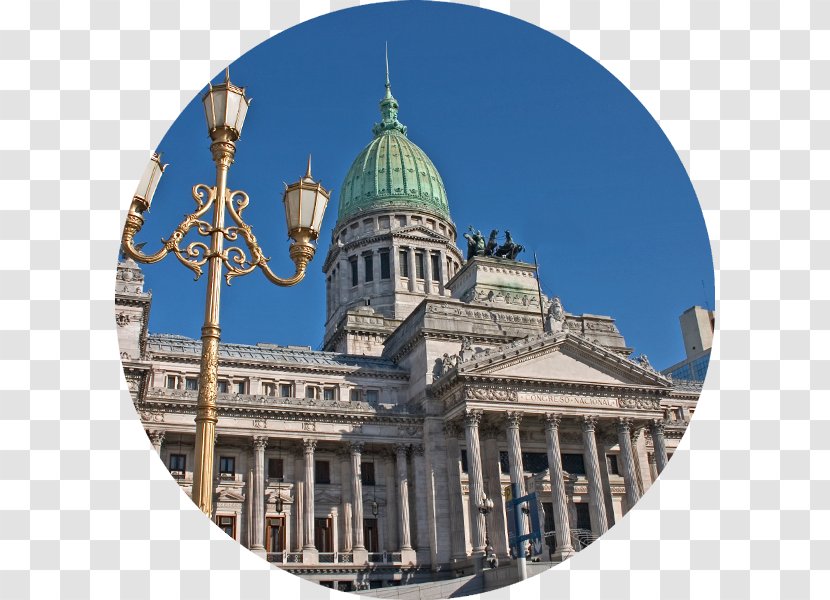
(368, 268)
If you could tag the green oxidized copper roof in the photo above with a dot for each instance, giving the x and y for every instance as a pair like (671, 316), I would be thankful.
(392, 172)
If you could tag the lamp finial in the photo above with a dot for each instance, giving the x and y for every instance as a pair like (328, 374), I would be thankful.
(308, 168)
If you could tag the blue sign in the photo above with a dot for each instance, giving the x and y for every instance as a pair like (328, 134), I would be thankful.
(514, 521)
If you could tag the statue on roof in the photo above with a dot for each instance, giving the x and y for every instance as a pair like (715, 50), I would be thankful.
(509, 249)
(555, 319)
(475, 243)
(492, 243)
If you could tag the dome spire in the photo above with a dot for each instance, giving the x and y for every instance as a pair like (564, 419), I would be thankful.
(388, 85)
(388, 109)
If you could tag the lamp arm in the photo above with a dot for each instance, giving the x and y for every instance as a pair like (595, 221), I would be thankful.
(238, 263)
(194, 254)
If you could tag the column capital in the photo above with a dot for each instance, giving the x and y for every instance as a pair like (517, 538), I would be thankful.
(259, 442)
(357, 447)
(472, 418)
(309, 446)
(589, 423)
(418, 450)
(156, 436)
(552, 420)
(401, 449)
(513, 419)
(656, 426)
(624, 425)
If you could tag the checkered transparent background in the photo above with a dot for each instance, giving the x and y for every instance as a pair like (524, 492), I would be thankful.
(743, 92)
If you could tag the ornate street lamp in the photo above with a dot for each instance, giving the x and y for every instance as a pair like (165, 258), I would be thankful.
(226, 106)
(485, 507)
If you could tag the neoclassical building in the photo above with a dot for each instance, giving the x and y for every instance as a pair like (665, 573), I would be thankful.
(441, 381)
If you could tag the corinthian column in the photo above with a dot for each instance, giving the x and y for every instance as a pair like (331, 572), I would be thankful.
(403, 496)
(659, 441)
(345, 456)
(258, 496)
(157, 439)
(458, 532)
(594, 479)
(308, 495)
(492, 472)
(357, 497)
(421, 491)
(514, 453)
(632, 490)
(557, 487)
(477, 525)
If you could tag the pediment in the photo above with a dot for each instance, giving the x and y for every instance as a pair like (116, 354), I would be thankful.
(561, 357)
(420, 231)
(230, 496)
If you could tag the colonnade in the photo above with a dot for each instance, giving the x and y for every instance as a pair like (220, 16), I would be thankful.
(593, 458)
(352, 504)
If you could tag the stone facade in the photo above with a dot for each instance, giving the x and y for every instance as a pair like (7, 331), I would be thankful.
(368, 470)
(441, 381)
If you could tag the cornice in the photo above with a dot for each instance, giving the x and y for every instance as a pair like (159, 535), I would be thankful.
(225, 363)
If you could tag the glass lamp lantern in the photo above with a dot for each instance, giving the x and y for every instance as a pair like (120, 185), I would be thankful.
(225, 108)
(149, 181)
(305, 203)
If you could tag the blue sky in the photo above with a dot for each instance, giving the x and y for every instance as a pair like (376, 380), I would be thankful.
(528, 133)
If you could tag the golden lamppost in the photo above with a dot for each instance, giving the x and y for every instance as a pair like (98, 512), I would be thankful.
(305, 202)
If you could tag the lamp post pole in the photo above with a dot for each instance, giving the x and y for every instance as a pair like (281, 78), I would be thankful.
(305, 202)
(223, 150)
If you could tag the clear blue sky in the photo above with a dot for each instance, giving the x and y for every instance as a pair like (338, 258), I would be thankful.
(528, 133)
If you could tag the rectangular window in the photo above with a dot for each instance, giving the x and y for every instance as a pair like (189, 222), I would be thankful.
(178, 463)
(321, 471)
(227, 465)
(370, 534)
(419, 265)
(353, 263)
(613, 465)
(171, 382)
(463, 461)
(384, 265)
(275, 468)
(368, 268)
(328, 393)
(227, 524)
(268, 389)
(372, 396)
(275, 537)
(312, 392)
(573, 464)
(354, 395)
(367, 473)
(436, 266)
(401, 219)
(285, 390)
(240, 387)
(223, 387)
(191, 383)
(404, 260)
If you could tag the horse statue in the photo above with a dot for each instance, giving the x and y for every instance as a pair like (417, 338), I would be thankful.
(492, 243)
(475, 243)
(509, 249)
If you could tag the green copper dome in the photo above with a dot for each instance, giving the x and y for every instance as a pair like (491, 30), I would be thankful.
(392, 172)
